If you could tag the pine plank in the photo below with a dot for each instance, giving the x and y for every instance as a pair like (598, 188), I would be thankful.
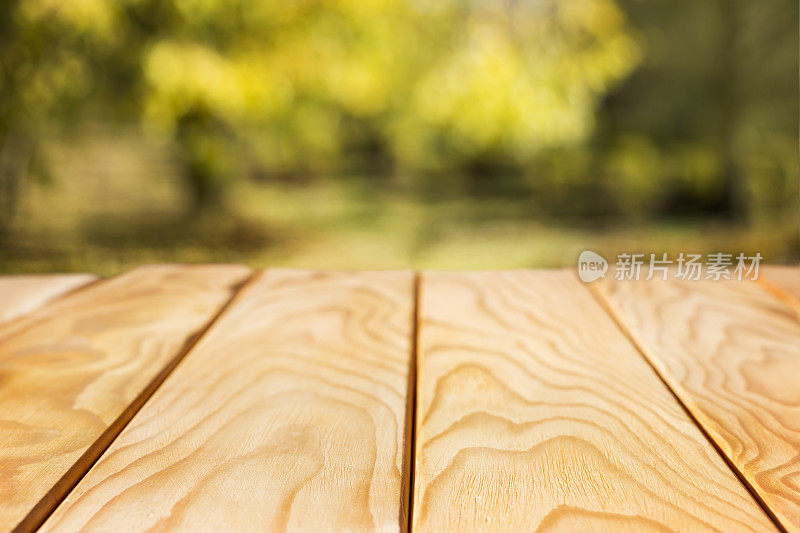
(292, 413)
(730, 351)
(21, 294)
(535, 411)
(783, 282)
(73, 370)
(784, 276)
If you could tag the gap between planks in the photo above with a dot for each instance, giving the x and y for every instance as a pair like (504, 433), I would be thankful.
(411, 409)
(61, 489)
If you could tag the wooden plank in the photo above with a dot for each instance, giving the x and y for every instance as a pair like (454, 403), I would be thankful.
(783, 276)
(783, 282)
(291, 413)
(731, 352)
(534, 411)
(21, 294)
(73, 372)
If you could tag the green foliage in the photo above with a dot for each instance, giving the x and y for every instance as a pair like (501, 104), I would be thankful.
(711, 115)
(642, 108)
(305, 84)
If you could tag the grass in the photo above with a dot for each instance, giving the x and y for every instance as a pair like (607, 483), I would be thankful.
(116, 202)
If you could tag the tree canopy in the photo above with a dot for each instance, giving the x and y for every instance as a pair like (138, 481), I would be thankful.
(305, 83)
(692, 106)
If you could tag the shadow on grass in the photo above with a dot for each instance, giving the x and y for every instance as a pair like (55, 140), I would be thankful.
(212, 232)
(107, 245)
(22, 256)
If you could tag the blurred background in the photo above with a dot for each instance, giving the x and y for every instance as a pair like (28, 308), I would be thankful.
(394, 133)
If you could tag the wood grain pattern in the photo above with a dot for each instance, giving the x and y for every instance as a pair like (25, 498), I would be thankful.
(783, 282)
(22, 294)
(534, 411)
(70, 371)
(291, 413)
(731, 352)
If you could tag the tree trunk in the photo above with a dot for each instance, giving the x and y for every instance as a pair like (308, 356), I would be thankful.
(204, 189)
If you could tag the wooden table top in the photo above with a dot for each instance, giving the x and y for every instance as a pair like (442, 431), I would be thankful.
(214, 397)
